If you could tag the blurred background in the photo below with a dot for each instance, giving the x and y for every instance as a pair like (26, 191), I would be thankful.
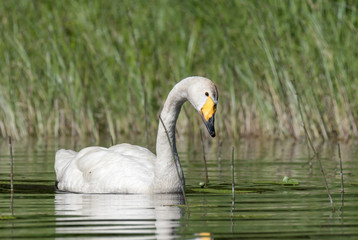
(92, 68)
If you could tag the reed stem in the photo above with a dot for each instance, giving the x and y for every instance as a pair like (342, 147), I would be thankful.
(315, 153)
(219, 156)
(219, 150)
(233, 174)
(233, 188)
(112, 141)
(12, 167)
(176, 166)
(12, 203)
(204, 159)
(341, 173)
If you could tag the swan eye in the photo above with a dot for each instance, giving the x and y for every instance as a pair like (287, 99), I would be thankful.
(207, 94)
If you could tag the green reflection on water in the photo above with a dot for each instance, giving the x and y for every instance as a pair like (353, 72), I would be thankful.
(264, 207)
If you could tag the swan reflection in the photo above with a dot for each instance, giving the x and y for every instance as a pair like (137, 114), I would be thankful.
(133, 216)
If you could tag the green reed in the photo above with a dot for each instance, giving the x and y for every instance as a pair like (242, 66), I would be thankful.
(72, 68)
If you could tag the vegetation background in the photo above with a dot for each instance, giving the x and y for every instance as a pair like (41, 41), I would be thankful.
(87, 68)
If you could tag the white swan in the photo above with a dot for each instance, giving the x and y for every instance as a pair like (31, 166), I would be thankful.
(126, 168)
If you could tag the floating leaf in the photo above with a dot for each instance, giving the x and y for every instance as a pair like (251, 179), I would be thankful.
(220, 191)
(291, 181)
(7, 217)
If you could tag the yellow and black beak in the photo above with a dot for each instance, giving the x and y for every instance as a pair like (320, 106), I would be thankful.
(207, 113)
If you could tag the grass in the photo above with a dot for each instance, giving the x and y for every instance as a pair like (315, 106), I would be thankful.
(74, 67)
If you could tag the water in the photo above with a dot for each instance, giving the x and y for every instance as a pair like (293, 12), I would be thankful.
(263, 207)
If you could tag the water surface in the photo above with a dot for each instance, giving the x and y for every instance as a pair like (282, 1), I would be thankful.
(264, 207)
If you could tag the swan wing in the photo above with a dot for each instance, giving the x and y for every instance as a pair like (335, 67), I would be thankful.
(122, 168)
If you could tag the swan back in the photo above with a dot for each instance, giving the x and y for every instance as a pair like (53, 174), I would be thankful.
(123, 168)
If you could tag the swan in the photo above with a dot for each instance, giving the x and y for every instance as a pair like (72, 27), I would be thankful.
(126, 168)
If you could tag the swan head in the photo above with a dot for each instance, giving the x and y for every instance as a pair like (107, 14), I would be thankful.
(203, 95)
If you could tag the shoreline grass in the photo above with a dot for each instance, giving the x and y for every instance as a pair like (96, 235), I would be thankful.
(71, 68)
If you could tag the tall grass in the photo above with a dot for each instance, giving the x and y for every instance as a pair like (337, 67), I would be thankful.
(71, 67)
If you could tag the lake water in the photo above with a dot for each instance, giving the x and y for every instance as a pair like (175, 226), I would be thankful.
(264, 207)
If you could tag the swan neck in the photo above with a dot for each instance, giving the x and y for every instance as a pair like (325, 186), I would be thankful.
(165, 169)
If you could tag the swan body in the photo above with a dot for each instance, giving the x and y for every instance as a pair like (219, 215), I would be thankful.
(126, 168)
(123, 168)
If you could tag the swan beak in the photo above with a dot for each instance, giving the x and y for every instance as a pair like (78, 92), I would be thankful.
(208, 113)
